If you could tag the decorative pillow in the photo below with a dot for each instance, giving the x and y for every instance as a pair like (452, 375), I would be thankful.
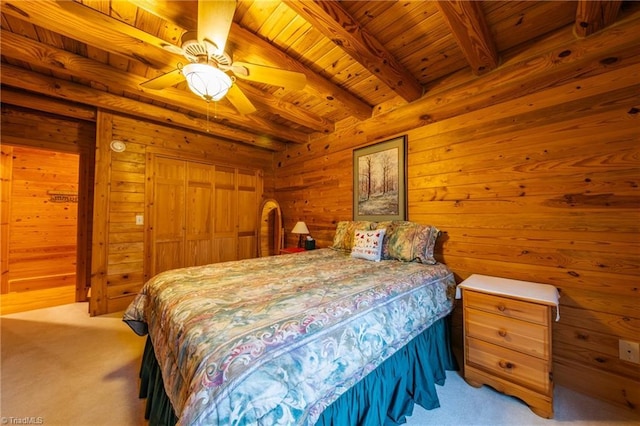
(410, 242)
(343, 238)
(391, 227)
(368, 244)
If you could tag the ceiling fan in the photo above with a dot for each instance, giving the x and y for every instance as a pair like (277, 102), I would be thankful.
(209, 66)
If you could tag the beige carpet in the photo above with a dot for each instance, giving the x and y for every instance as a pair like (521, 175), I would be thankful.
(62, 367)
(67, 368)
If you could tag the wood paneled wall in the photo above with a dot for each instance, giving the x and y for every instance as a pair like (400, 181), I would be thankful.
(533, 178)
(42, 219)
(118, 243)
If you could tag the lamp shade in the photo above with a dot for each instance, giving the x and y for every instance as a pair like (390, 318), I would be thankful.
(300, 228)
(207, 81)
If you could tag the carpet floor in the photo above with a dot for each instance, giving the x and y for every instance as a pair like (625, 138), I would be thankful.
(61, 367)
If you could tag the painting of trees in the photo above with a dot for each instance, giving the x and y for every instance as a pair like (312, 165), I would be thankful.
(379, 181)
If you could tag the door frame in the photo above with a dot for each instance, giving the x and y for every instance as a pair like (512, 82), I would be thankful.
(84, 147)
(86, 165)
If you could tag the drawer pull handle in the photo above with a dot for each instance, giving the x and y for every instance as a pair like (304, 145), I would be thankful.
(502, 333)
(501, 308)
(505, 364)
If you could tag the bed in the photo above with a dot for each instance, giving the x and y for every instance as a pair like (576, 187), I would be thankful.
(338, 335)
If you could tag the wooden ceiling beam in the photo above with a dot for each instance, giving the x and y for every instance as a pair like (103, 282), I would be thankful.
(248, 46)
(61, 89)
(84, 24)
(182, 13)
(332, 20)
(29, 100)
(470, 29)
(287, 110)
(517, 78)
(22, 48)
(594, 15)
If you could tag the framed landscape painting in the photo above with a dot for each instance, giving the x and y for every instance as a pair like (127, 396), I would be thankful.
(379, 181)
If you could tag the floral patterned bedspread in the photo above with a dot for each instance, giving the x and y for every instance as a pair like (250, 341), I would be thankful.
(275, 340)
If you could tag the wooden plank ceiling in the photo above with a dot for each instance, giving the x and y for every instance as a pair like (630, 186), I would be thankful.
(360, 58)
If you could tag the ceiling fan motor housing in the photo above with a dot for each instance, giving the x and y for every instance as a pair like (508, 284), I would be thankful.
(198, 52)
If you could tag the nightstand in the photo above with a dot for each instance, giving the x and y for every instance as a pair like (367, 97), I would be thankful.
(507, 338)
(291, 250)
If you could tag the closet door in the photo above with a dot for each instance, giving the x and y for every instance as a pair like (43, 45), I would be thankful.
(199, 214)
(225, 239)
(168, 214)
(248, 200)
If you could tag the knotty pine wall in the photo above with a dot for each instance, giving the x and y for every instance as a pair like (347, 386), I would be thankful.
(118, 243)
(42, 228)
(531, 174)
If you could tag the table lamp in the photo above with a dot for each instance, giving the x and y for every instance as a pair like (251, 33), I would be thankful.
(301, 229)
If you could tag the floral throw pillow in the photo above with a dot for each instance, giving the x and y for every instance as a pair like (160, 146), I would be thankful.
(410, 242)
(343, 238)
(368, 244)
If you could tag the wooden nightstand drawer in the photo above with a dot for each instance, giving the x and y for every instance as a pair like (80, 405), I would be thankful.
(522, 336)
(514, 366)
(507, 307)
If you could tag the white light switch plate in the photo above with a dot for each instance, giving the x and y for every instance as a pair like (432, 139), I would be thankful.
(139, 219)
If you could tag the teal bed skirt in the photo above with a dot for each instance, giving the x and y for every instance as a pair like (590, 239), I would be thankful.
(386, 396)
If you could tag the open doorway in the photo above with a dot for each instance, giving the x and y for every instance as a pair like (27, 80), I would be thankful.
(53, 136)
(40, 217)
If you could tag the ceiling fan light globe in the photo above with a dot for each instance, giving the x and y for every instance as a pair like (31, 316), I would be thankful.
(207, 81)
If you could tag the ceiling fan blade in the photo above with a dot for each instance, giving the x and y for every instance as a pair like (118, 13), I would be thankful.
(240, 100)
(214, 21)
(165, 80)
(275, 76)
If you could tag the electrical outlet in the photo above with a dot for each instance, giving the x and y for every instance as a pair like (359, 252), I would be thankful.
(629, 351)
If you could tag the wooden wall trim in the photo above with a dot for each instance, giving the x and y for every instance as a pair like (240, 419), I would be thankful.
(205, 158)
(100, 237)
(6, 160)
(85, 223)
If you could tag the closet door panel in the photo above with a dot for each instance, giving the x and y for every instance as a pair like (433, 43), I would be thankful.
(225, 238)
(168, 215)
(247, 218)
(199, 214)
